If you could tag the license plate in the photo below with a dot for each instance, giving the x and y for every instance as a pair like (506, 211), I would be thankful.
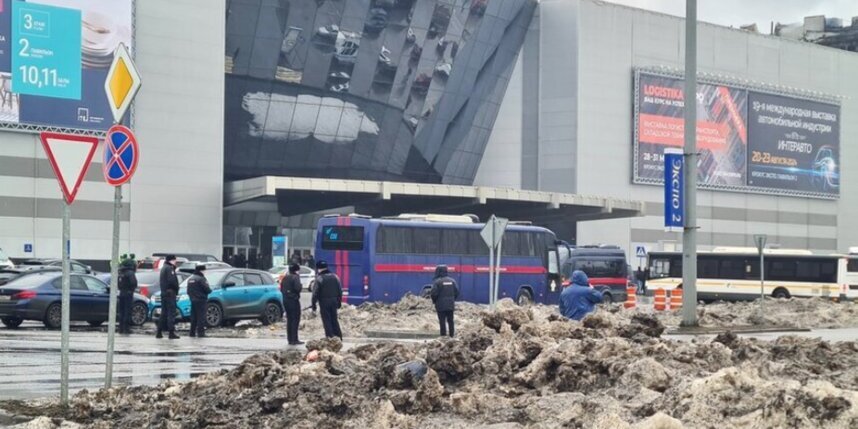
(5, 297)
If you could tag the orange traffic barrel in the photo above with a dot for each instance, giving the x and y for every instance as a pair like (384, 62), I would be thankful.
(676, 299)
(660, 300)
(631, 297)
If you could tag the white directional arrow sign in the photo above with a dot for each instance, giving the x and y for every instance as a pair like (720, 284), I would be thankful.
(70, 156)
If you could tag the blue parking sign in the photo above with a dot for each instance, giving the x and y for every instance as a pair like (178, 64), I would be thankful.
(46, 53)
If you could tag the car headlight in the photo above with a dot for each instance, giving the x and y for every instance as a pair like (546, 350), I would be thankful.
(156, 298)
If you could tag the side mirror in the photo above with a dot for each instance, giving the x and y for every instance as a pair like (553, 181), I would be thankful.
(88, 269)
(228, 284)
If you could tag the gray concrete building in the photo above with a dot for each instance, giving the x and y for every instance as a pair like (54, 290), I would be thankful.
(174, 202)
(567, 123)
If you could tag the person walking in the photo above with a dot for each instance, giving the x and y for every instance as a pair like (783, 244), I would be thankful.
(328, 294)
(127, 284)
(311, 261)
(198, 291)
(444, 294)
(169, 292)
(579, 299)
(291, 287)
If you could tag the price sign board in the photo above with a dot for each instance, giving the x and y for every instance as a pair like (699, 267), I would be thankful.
(46, 50)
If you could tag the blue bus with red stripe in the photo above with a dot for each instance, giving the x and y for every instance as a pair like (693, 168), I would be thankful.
(382, 259)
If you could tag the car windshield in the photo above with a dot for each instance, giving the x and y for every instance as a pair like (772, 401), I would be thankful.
(29, 281)
(277, 270)
(147, 277)
(213, 278)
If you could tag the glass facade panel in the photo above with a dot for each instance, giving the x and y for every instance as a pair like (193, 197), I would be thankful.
(366, 89)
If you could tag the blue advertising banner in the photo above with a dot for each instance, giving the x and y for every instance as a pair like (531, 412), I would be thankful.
(101, 26)
(46, 59)
(279, 250)
(794, 144)
(674, 190)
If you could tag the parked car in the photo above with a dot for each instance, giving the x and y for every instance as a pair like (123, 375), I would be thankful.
(156, 262)
(328, 32)
(377, 20)
(189, 266)
(236, 294)
(444, 69)
(9, 274)
(37, 296)
(74, 266)
(188, 256)
(148, 281)
(308, 275)
(5, 262)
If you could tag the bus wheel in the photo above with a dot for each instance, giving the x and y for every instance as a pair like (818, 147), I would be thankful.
(607, 298)
(426, 292)
(524, 298)
(780, 293)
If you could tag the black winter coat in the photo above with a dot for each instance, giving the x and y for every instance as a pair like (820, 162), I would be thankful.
(127, 280)
(169, 281)
(444, 293)
(198, 287)
(291, 286)
(328, 289)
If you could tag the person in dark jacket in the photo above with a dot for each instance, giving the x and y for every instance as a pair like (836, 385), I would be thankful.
(127, 284)
(328, 294)
(291, 287)
(169, 292)
(198, 291)
(444, 294)
(579, 299)
(311, 261)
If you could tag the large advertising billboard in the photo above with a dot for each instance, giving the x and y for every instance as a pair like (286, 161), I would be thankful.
(46, 84)
(747, 140)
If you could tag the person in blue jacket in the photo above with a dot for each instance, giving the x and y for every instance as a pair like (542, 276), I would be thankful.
(577, 300)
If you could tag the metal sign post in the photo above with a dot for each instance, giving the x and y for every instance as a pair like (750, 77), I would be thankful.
(65, 304)
(760, 240)
(69, 156)
(492, 234)
(121, 155)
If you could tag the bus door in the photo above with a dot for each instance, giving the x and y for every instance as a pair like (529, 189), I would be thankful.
(553, 279)
(344, 245)
(848, 277)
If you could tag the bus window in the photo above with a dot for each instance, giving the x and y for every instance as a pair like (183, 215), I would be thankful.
(394, 239)
(733, 268)
(707, 268)
(454, 241)
(476, 245)
(852, 265)
(427, 241)
(342, 238)
(780, 270)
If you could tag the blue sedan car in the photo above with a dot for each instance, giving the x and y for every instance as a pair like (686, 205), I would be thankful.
(236, 294)
(38, 295)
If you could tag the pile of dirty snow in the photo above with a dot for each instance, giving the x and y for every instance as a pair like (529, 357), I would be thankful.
(514, 368)
(810, 313)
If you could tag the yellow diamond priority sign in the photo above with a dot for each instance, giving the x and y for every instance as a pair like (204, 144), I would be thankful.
(122, 82)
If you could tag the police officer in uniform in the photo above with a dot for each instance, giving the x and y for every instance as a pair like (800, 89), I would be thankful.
(169, 293)
(291, 287)
(328, 294)
(198, 291)
(444, 293)
(127, 284)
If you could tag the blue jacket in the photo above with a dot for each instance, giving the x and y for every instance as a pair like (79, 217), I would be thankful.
(577, 300)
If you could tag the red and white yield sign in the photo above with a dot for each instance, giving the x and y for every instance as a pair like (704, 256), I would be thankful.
(121, 154)
(69, 156)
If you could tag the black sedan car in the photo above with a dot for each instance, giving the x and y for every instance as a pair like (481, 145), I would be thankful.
(9, 274)
(37, 296)
(74, 266)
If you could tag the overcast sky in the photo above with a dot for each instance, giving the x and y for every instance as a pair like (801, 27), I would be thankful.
(740, 12)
